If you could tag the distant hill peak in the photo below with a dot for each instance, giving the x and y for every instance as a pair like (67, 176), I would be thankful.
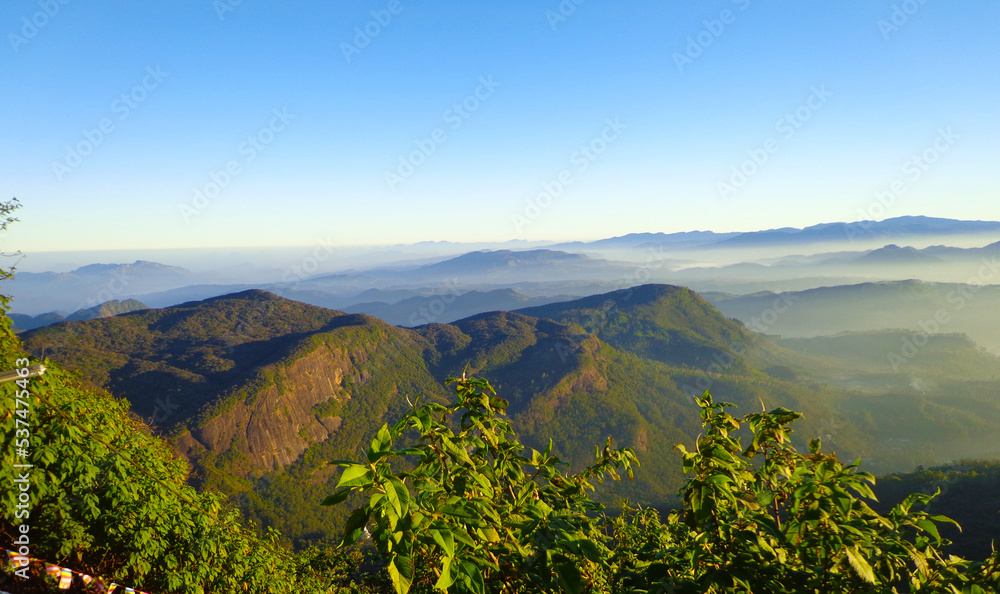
(540, 255)
(894, 254)
(495, 260)
(104, 310)
(137, 266)
(631, 297)
(107, 309)
(251, 296)
(248, 295)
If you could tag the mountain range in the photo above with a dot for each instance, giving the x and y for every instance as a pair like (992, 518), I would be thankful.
(88, 286)
(775, 260)
(896, 228)
(259, 391)
(917, 306)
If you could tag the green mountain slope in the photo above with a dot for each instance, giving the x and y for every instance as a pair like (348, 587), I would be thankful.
(664, 323)
(106, 498)
(247, 384)
(259, 392)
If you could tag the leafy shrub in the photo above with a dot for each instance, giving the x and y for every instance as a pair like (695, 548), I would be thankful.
(766, 518)
(477, 515)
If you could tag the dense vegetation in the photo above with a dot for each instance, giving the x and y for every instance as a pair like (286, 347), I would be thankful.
(453, 499)
(111, 500)
(970, 494)
(235, 381)
(482, 513)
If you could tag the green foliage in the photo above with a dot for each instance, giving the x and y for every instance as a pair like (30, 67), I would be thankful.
(476, 514)
(766, 518)
(6, 208)
(970, 494)
(110, 499)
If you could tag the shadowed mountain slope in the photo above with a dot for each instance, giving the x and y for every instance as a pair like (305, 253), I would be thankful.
(259, 392)
(673, 325)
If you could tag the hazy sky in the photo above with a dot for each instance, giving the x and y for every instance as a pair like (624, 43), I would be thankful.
(195, 123)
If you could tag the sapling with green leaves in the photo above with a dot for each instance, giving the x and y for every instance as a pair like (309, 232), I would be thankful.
(479, 511)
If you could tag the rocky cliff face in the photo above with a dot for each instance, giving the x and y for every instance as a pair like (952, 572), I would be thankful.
(333, 389)
(281, 421)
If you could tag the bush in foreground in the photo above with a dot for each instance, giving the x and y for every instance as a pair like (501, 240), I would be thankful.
(480, 513)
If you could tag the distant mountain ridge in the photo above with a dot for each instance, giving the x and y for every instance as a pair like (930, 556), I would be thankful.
(913, 305)
(893, 254)
(109, 308)
(683, 239)
(703, 260)
(87, 286)
(897, 227)
(504, 266)
(137, 268)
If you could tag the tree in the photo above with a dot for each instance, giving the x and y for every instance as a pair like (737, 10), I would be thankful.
(6, 208)
(475, 512)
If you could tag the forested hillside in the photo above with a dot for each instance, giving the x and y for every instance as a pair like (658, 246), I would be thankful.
(258, 392)
(107, 499)
(473, 510)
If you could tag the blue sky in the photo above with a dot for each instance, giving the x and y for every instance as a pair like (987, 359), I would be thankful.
(208, 124)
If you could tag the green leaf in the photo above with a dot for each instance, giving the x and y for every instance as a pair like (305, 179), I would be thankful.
(474, 577)
(446, 540)
(590, 550)
(569, 578)
(459, 452)
(355, 476)
(337, 497)
(929, 527)
(401, 573)
(860, 565)
(355, 526)
(718, 479)
(447, 579)
(919, 559)
(459, 511)
(397, 495)
(945, 519)
(380, 444)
